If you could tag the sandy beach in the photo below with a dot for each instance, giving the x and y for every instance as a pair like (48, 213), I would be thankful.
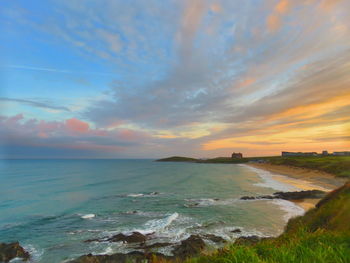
(304, 179)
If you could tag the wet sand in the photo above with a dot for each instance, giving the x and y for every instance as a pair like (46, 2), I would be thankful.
(304, 179)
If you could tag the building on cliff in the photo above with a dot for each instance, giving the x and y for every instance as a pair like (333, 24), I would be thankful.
(346, 153)
(237, 155)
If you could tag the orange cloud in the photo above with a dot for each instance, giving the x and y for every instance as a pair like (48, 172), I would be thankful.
(282, 6)
(273, 23)
(308, 128)
(247, 82)
(328, 5)
(315, 109)
(216, 8)
(76, 125)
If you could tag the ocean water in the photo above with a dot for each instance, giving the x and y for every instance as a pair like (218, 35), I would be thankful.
(52, 206)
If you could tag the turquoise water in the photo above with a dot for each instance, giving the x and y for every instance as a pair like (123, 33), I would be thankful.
(52, 206)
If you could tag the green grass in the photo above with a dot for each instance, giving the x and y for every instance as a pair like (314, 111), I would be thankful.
(337, 165)
(317, 247)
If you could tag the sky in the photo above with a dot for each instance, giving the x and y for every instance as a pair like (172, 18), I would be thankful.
(157, 78)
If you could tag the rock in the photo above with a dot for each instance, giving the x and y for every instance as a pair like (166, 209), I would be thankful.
(214, 238)
(135, 237)
(267, 197)
(132, 257)
(247, 240)
(192, 205)
(93, 240)
(237, 230)
(12, 250)
(155, 245)
(190, 247)
(247, 198)
(289, 195)
(300, 194)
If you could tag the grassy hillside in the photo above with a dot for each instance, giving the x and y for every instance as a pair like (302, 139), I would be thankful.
(321, 235)
(177, 159)
(337, 165)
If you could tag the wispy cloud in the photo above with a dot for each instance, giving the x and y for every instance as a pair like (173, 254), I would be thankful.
(23, 67)
(36, 104)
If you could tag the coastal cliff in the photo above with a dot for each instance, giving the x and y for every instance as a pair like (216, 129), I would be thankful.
(321, 235)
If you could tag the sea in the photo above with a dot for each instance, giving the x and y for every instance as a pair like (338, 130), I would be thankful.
(52, 206)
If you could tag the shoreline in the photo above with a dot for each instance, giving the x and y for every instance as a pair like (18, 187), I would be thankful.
(303, 179)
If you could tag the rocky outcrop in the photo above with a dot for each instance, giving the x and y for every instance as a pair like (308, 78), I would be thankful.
(214, 238)
(237, 230)
(246, 240)
(190, 247)
(155, 245)
(135, 237)
(10, 251)
(132, 257)
(298, 195)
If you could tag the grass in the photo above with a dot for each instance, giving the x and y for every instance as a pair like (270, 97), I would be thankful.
(320, 247)
(177, 159)
(322, 235)
(337, 165)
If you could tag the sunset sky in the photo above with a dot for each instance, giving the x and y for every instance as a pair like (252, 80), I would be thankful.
(156, 78)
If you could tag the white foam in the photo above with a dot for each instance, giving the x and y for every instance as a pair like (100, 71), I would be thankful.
(88, 216)
(291, 210)
(269, 181)
(151, 194)
(160, 224)
(135, 195)
(203, 202)
(35, 253)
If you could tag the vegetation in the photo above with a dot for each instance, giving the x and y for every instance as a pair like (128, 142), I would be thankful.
(321, 235)
(337, 165)
(177, 159)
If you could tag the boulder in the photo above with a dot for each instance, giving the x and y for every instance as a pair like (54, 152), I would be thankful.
(247, 240)
(237, 230)
(190, 247)
(247, 198)
(155, 245)
(297, 195)
(300, 194)
(9, 251)
(214, 238)
(131, 257)
(135, 237)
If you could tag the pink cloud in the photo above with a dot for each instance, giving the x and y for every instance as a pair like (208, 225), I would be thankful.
(76, 125)
(68, 134)
(130, 135)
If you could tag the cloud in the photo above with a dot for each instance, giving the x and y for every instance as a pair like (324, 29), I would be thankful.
(76, 125)
(207, 75)
(273, 23)
(36, 104)
(282, 6)
(24, 67)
